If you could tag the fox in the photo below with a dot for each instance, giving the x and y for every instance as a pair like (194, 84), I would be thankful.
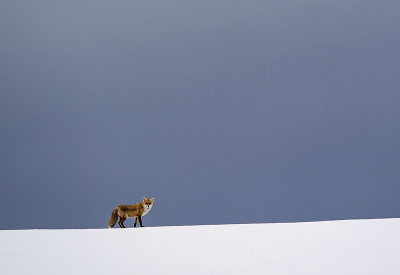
(124, 211)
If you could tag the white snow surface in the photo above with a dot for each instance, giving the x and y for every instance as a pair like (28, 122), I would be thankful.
(330, 247)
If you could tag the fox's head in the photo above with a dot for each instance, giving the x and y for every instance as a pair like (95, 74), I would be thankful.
(148, 203)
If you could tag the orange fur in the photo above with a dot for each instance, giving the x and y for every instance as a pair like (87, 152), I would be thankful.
(124, 211)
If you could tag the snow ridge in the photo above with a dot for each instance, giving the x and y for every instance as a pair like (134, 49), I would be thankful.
(331, 247)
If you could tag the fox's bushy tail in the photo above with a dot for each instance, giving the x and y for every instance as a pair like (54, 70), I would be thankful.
(113, 219)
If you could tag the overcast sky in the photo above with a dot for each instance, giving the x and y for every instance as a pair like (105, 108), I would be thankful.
(224, 111)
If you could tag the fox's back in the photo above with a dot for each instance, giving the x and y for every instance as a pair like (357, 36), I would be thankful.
(131, 210)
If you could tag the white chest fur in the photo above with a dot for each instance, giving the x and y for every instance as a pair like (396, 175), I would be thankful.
(146, 209)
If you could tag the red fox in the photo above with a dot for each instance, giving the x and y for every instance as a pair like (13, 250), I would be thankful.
(129, 211)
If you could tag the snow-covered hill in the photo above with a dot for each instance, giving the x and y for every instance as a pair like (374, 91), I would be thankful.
(332, 247)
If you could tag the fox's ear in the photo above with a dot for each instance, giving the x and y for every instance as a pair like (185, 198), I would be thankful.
(152, 199)
(144, 198)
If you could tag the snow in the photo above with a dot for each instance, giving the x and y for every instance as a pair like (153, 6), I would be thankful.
(331, 247)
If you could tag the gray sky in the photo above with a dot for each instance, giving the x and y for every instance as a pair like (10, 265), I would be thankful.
(224, 111)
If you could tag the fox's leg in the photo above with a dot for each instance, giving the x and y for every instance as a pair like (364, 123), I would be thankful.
(121, 222)
(140, 221)
(134, 224)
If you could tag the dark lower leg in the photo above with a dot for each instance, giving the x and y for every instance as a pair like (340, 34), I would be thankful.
(121, 222)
